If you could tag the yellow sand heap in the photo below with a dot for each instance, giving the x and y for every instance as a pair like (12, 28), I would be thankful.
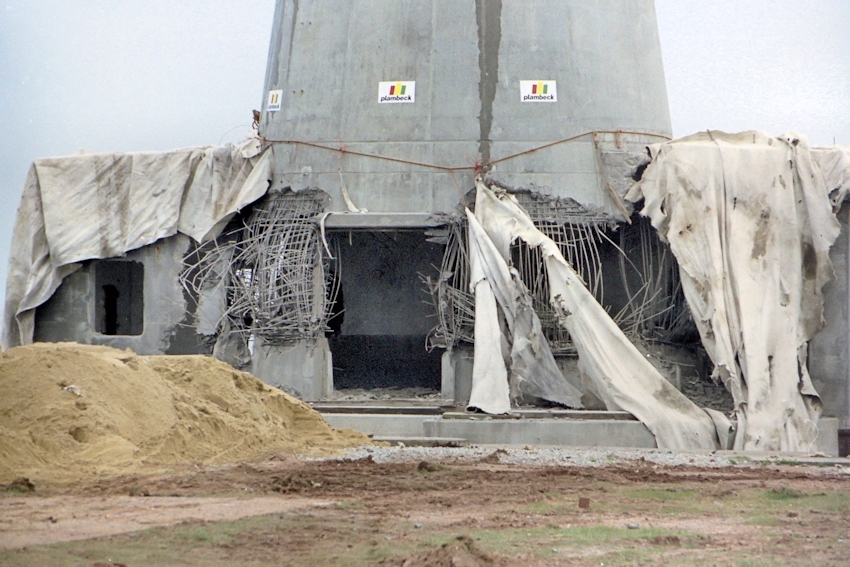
(69, 411)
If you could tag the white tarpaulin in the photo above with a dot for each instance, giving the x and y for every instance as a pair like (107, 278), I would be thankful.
(533, 369)
(620, 373)
(749, 219)
(103, 205)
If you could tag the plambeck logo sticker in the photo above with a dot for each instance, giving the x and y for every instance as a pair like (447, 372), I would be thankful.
(273, 104)
(538, 91)
(396, 91)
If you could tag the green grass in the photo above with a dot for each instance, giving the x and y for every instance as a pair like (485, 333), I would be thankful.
(784, 494)
(207, 544)
(747, 562)
(764, 520)
(541, 541)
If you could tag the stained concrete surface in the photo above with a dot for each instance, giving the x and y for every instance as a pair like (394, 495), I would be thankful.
(70, 314)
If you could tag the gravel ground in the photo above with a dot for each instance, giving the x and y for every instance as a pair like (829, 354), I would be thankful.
(588, 457)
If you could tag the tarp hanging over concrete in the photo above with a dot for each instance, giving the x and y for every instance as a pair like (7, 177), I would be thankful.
(749, 219)
(621, 375)
(532, 367)
(92, 206)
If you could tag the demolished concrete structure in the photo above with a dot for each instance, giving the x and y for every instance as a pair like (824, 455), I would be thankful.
(332, 253)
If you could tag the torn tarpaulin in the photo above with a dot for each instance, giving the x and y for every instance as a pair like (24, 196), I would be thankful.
(622, 376)
(749, 220)
(93, 206)
(532, 366)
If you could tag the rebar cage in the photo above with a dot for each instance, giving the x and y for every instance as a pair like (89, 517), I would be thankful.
(278, 279)
(653, 309)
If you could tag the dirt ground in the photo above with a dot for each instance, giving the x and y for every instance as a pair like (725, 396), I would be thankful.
(447, 513)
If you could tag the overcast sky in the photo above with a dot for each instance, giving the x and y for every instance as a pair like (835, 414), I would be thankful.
(127, 75)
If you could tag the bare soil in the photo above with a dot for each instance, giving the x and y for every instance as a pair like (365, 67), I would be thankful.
(359, 512)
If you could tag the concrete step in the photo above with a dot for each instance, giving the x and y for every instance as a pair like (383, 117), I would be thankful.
(545, 431)
(544, 414)
(384, 425)
(401, 408)
(483, 429)
(424, 441)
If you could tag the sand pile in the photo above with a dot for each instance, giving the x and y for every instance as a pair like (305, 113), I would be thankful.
(69, 411)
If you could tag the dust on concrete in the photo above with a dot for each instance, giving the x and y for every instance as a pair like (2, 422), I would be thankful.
(70, 411)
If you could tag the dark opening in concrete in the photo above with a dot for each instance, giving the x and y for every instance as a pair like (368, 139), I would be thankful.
(382, 315)
(110, 309)
(120, 305)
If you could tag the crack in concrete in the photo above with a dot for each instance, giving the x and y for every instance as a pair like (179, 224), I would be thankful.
(488, 14)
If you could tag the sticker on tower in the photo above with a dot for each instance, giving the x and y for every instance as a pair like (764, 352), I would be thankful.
(273, 104)
(538, 91)
(396, 91)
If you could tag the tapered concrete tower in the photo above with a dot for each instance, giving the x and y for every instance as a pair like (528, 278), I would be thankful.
(470, 71)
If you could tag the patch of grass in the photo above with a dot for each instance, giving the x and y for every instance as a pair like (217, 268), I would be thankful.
(747, 562)
(662, 494)
(784, 493)
(764, 520)
(563, 509)
(790, 462)
(271, 540)
(668, 500)
(348, 505)
(508, 541)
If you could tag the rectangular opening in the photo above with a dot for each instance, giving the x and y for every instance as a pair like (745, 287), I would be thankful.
(383, 314)
(119, 297)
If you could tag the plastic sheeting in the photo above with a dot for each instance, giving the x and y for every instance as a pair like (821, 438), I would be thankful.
(619, 372)
(749, 219)
(92, 206)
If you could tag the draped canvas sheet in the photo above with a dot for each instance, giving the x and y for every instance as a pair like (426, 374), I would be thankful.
(91, 206)
(533, 370)
(749, 219)
(622, 376)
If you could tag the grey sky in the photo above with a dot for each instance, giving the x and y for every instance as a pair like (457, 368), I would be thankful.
(125, 75)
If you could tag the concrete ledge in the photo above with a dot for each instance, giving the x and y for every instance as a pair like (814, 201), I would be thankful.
(381, 425)
(544, 414)
(376, 408)
(376, 221)
(568, 432)
(546, 431)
